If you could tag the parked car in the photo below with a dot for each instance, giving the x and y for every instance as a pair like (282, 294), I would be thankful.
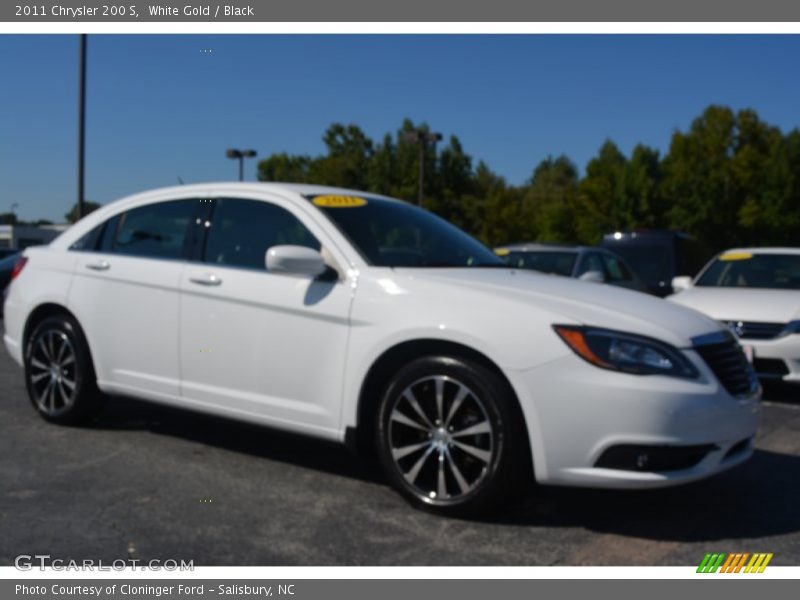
(756, 292)
(366, 320)
(580, 262)
(6, 269)
(659, 256)
(6, 252)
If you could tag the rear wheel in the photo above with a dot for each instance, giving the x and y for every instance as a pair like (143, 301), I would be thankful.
(448, 438)
(59, 374)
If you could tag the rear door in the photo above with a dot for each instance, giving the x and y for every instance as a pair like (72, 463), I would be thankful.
(125, 294)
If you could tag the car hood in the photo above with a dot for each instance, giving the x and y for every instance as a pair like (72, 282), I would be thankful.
(738, 304)
(571, 301)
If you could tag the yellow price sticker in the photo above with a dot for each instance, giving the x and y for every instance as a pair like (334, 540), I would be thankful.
(338, 201)
(736, 256)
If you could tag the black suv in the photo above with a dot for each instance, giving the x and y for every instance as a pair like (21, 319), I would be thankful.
(658, 256)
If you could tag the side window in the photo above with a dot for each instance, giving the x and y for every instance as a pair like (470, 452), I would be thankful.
(615, 269)
(591, 262)
(88, 242)
(242, 231)
(156, 230)
(105, 241)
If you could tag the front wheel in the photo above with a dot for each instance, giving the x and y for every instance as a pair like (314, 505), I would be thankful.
(449, 436)
(59, 374)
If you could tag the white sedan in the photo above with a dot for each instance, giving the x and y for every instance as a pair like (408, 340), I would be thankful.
(755, 292)
(362, 319)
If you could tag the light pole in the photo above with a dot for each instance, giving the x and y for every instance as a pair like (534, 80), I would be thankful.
(422, 138)
(241, 155)
(81, 120)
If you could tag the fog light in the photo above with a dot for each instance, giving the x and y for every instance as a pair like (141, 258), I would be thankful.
(653, 458)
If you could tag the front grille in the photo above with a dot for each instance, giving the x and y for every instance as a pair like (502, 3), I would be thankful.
(728, 362)
(752, 330)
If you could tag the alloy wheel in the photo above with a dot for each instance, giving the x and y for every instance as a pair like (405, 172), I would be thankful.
(53, 372)
(441, 439)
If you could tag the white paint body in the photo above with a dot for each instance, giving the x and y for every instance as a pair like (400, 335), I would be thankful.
(293, 353)
(755, 306)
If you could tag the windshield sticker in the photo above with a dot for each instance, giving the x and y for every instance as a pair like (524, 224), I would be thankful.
(736, 256)
(339, 201)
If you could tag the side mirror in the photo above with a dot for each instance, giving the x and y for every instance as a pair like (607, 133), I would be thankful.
(681, 283)
(295, 260)
(593, 276)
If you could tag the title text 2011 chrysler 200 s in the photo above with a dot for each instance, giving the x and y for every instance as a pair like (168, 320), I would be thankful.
(363, 319)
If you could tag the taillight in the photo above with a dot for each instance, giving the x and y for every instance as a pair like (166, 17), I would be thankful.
(18, 266)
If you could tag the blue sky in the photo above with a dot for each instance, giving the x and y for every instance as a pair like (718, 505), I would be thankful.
(160, 107)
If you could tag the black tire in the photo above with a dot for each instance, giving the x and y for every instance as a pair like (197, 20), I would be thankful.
(495, 465)
(59, 373)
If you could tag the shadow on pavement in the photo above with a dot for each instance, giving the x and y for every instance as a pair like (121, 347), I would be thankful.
(755, 500)
(258, 441)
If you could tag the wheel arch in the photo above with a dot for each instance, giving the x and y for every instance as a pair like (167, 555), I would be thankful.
(360, 439)
(39, 314)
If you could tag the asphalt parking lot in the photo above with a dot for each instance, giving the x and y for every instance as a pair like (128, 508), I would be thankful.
(156, 483)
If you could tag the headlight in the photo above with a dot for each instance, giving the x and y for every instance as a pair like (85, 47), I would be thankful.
(625, 352)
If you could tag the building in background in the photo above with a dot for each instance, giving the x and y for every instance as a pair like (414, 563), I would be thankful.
(20, 237)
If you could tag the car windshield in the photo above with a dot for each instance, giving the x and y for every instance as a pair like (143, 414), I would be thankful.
(557, 263)
(746, 270)
(388, 233)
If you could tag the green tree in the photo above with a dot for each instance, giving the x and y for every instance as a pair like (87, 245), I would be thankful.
(641, 203)
(494, 209)
(725, 179)
(729, 179)
(346, 163)
(88, 207)
(285, 168)
(601, 195)
(549, 202)
(451, 183)
(8, 218)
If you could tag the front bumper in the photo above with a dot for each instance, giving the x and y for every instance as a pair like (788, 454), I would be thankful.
(576, 413)
(783, 352)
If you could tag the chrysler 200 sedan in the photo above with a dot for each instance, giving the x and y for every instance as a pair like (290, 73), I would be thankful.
(362, 319)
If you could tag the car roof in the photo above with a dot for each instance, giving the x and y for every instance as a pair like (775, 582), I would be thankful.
(644, 233)
(293, 192)
(303, 189)
(763, 250)
(542, 247)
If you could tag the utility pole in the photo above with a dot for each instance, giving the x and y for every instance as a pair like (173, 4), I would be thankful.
(81, 123)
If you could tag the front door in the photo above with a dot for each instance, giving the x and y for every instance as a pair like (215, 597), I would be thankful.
(254, 343)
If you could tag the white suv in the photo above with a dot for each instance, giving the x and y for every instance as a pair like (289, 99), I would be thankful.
(362, 319)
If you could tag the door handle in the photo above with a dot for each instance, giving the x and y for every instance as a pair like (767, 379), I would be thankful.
(98, 266)
(208, 280)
